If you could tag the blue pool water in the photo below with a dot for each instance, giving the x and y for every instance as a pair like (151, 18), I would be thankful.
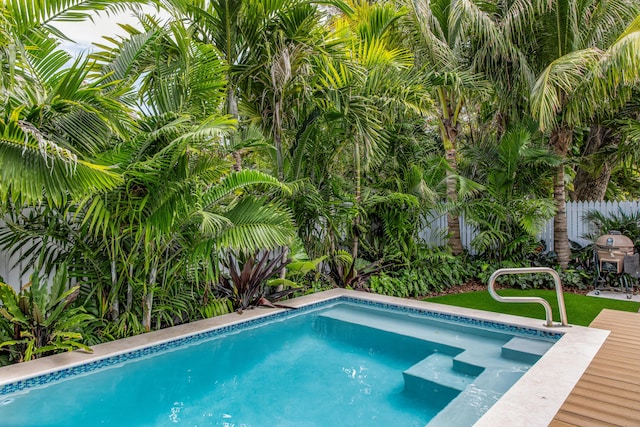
(336, 364)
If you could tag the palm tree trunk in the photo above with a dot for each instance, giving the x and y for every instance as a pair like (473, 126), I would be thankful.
(147, 303)
(232, 102)
(129, 290)
(358, 190)
(453, 220)
(237, 161)
(561, 141)
(449, 133)
(115, 303)
(232, 110)
(277, 141)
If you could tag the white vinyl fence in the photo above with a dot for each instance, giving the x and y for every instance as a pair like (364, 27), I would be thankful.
(11, 268)
(434, 232)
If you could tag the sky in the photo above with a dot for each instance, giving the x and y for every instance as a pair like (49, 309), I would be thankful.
(87, 32)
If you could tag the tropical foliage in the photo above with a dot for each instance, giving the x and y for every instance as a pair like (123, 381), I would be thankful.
(40, 321)
(225, 154)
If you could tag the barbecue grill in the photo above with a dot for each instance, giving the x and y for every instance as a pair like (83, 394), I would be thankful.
(614, 253)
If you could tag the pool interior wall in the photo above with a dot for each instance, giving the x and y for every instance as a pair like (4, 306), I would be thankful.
(541, 390)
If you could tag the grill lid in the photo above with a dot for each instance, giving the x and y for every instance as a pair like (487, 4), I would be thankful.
(614, 241)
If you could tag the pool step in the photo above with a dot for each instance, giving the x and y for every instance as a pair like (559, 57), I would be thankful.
(401, 333)
(471, 403)
(525, 350)
(435, 374)
(467, 363)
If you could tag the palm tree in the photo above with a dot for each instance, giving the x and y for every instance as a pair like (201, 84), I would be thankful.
(181, 203)
(55, 117)
(441, 47)
(361, 96)
(561, 80)
(267, 49)
(592, 60)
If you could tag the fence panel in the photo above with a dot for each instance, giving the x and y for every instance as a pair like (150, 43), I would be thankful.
(577, 226)
(11, 268)
(434, 230)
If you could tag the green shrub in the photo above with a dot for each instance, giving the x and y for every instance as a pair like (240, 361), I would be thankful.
(386, 285)
(573, 278)
(435, 271)
(39, 322)
(627, 224)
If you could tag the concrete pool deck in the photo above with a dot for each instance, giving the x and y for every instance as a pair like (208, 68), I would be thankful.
(533, 401)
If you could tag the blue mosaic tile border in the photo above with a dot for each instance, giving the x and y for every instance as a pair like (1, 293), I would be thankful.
(147, 351)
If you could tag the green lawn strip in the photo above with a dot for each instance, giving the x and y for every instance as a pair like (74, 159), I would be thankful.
(581, 309)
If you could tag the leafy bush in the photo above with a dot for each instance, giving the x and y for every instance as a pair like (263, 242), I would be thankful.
(627, 224)
(387, 285)
(575, 278)
(38, 322)
(436, 271)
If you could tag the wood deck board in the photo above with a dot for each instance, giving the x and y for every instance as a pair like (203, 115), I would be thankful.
(608, 394)
(602, 413)
(624, 355)
(600, 386)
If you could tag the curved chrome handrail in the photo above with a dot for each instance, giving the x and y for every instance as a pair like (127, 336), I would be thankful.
(544, 302)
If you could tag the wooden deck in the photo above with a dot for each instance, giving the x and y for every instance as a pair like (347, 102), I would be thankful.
(608, 394)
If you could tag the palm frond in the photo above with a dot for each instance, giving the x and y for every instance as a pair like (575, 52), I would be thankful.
(256, 226)
(34, 168)
(236, 181)
(561, 78)
(27, 15)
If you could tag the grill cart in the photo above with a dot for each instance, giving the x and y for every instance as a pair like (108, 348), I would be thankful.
(614, 255)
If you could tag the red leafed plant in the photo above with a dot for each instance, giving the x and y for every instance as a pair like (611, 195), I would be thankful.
(243, 278)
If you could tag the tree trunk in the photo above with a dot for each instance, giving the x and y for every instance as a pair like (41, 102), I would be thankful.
(237, 161)
(129, 290)
(283, 273)
(115, 303)
(358, 195)
(280, 77)
(232, 110)
(232, 102)
(147, 303)
(591, 184)
(450, 109)
(453, 221)
(561, 141)
(277, 142)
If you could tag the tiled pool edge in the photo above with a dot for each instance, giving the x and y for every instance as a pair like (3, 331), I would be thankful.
(47, 365)
(534, 397)
(37, 379)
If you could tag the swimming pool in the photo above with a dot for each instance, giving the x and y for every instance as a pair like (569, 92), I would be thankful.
(256, 369)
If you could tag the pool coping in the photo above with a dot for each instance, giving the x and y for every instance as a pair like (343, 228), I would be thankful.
(533, 401)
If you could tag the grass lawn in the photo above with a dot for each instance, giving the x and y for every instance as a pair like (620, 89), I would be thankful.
(581, 309)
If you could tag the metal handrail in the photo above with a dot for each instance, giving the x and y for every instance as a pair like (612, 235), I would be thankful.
(544, 302)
